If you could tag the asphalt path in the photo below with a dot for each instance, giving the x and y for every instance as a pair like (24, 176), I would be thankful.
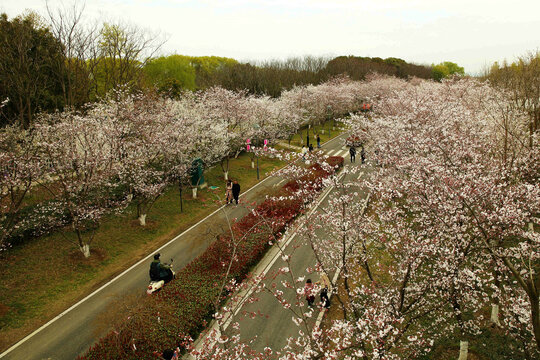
(73, 331)
(274, 325)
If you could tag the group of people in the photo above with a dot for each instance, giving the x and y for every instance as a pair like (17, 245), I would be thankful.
(232, 192)
(352, 152)
(310, 291)
(309, 148)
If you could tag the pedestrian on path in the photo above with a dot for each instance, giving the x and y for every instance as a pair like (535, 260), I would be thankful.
(228, 192)
(352, 151)
(304, 152)
(318, 141)
(310, 147)
(325, 285)
(362, 154)
(236, 190)
(309, 292)
(325, 301)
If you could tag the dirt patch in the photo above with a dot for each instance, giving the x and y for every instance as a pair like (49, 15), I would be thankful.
(4, 309)
(97, 255)
(150, 224)
(453, 353)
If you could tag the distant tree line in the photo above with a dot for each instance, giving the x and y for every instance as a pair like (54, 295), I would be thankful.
(65, 61)
(272, 77)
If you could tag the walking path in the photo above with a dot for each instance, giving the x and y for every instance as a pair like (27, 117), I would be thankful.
(73, 331)
(274, 326)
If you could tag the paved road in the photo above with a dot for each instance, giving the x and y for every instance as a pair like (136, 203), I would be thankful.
(72, 332)
(276, 325)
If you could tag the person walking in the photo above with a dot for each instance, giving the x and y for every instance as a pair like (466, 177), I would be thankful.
(362, 153)
(228, 192)
(236, 190)
(304, 152)
(310, 147)
(309, 292)
(352, 151)
(318, 141)
(325, 285)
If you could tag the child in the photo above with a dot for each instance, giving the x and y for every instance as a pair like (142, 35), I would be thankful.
(308, 291)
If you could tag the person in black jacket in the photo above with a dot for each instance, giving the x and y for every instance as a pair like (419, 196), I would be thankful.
(236, 191)
(159, 271)
(352, 151)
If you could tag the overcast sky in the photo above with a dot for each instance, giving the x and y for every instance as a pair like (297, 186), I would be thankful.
(473, 33)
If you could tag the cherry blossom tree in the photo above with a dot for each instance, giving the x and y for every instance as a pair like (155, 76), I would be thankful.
(82, 166)
(443, 148)
(233, 111)
(450, 229)
(193, 135)
(141, 125)
(20, 168)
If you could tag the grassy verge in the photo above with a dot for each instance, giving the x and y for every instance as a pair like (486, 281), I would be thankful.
(46, 275)
(325, 131)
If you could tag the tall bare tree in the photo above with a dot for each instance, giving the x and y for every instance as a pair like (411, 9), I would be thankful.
(123, 51)
(79, 40)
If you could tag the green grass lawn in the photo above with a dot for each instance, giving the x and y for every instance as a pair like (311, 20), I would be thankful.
(325, 131)
(46, 275)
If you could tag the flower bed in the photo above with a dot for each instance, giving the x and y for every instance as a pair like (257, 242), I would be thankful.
(185, 305)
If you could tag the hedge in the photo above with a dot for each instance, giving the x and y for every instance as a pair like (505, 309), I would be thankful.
(185, 305)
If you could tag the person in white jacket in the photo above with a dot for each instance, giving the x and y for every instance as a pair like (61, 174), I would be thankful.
(304, 152)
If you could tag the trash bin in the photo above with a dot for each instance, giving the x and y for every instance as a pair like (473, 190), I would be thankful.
(197, 176)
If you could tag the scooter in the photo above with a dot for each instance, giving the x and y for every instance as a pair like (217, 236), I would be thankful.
(156, 286)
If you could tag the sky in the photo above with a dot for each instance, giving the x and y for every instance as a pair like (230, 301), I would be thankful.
(472, 33)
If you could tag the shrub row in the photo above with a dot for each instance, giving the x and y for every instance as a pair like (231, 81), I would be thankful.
(186, 304)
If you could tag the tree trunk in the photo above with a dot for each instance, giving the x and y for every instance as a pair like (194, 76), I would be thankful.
(181, 201)
(226, 175)
(463, 350)
(495, 315)
(535, 316)
(252, 164)
(195, 192)
(85, 249)
(142, 219)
